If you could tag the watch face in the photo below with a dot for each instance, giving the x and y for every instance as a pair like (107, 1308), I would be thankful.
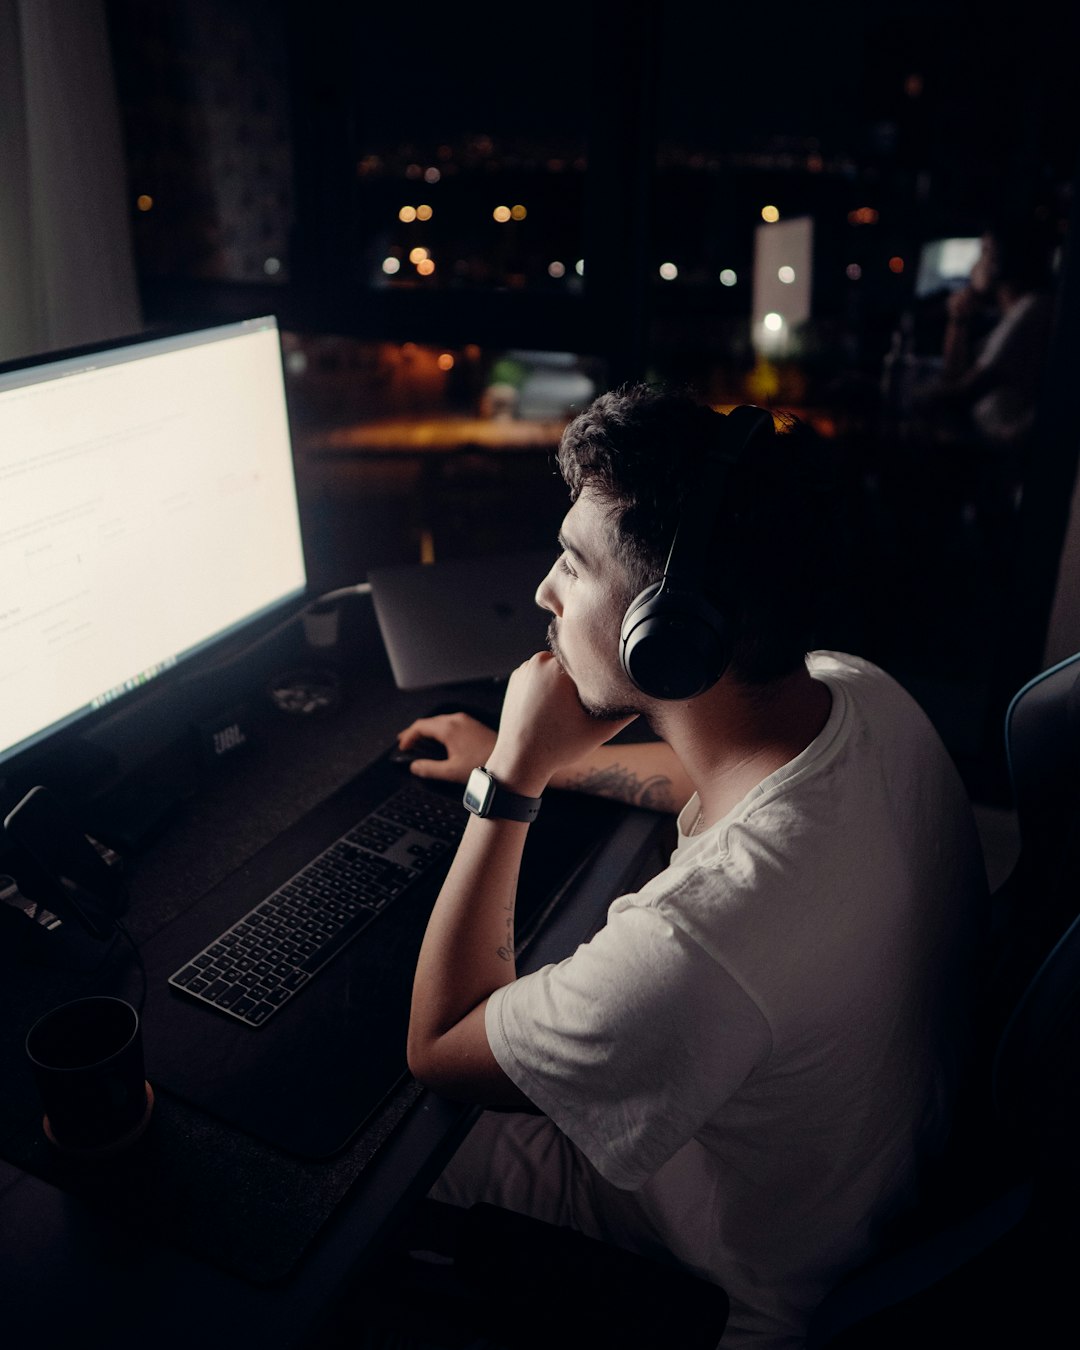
(478, 792)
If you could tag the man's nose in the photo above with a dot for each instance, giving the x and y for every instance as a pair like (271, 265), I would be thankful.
(547, 596)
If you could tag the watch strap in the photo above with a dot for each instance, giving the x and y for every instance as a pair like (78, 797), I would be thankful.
(486, 797)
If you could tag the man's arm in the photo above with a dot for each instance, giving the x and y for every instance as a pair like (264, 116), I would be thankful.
(467, 953)
(645, 774)
(468, 948)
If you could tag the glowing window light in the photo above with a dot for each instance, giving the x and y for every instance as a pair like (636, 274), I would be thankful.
(728, 277)
(445, 361)
(518, 212)
(391, 265)
(669, 271)
(556, 269)
(896, 265)
(786, 275)
(272, 266)
(413, 171)
(417, 254)
(144, 201)
(432, 175)
(425, 267)
(853, 271)
(501, 214)
(424, 213)
(863, 215)
(770, 214)
(773, 322)
(579, 267)
(407, 214)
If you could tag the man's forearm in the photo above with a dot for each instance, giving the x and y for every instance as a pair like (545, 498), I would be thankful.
(644, 774)
(468, 949)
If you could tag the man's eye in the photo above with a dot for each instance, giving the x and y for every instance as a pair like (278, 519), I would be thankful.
(564, 566)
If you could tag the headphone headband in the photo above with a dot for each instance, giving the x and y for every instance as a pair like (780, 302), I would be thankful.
(690, 542)
(674, 643)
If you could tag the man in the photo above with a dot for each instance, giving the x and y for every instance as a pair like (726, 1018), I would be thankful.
(991, 387)
(746, 1065)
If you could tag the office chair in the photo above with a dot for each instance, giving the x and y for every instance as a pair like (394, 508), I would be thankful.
(997, 1272)
(1037, 902)
(983, 1260)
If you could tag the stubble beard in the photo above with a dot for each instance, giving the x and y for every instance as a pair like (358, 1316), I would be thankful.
(602, 712)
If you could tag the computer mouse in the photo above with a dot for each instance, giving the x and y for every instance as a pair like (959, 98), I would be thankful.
(424, 748)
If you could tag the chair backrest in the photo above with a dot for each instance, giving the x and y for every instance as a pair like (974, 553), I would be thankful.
(1041, 897)
(1042, 738)
(1026, 1150)
(1036, 1072)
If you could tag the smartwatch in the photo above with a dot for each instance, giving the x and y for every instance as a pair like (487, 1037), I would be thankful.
(485, 797)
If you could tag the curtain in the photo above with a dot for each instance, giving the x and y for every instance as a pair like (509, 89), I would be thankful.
(67, 273)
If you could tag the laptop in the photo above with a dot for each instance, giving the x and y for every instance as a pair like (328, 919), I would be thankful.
(462, 619)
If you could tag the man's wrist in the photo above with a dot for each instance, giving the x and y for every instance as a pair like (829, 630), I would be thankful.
(515, 775)
(489, 799)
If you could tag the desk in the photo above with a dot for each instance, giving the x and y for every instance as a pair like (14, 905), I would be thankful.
(439, 434)
(397, 489)
(72, 1274)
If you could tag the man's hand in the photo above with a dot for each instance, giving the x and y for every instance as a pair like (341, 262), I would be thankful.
(543, 727)
(468, 744)
(961, 305)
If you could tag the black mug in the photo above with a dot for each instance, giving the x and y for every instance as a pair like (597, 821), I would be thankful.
(88, 1064)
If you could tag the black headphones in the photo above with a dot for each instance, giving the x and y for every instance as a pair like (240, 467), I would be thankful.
(674, 643)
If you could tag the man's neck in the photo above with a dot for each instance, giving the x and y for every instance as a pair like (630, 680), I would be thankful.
(730, 739)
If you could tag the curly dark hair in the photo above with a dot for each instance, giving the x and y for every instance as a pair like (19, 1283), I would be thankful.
(639, 451)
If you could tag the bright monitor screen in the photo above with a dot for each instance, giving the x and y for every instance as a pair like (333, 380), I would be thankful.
(945, 264)
(148, 509)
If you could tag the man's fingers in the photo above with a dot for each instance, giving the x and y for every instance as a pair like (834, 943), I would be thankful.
(434, 727)
(433, 768)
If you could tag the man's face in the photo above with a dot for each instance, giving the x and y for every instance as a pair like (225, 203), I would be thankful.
(984, 274)
(586, 592)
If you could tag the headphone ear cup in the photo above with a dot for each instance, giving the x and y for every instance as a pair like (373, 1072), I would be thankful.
(673, 644)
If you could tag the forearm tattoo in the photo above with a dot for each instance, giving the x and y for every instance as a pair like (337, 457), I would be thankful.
(506, 951)
(625, 786)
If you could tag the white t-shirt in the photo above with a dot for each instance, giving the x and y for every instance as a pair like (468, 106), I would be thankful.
(757, 1043)
(1015, 350)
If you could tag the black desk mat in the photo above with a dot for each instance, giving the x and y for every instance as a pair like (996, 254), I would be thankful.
(309, 1078)
(221, 1196)
(202, 1178)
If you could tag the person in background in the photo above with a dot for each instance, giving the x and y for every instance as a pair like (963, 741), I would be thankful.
(988, 388)
(747, 1068)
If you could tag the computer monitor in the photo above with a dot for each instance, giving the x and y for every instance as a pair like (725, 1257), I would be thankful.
(148, 512)
(945, 264)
